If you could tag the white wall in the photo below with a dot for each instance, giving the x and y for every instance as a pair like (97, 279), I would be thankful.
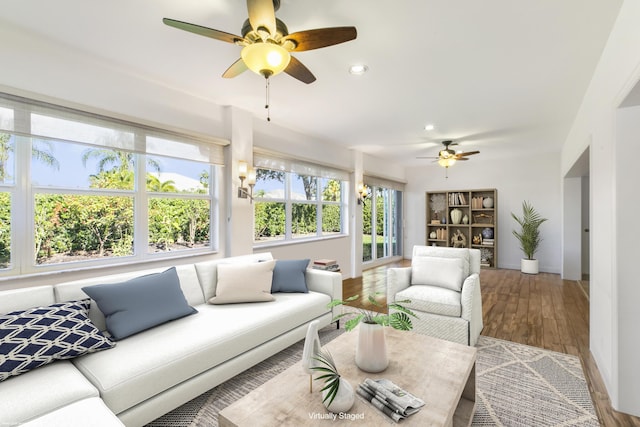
(613, 341)
(532, 178)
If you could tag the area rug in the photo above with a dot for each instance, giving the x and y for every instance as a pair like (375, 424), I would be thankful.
(516, 385)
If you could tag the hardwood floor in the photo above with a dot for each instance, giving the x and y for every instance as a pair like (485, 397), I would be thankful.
(539, 310)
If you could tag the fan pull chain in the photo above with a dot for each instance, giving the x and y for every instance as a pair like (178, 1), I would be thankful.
(267, 100)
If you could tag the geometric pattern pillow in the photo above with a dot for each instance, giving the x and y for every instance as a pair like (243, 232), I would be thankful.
(41, 335)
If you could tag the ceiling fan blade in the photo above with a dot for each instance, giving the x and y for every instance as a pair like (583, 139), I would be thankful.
(321, 37)
(203, 31)
(460, 158)
(262, 15)
(297, 70)
(468, 153)
(235, 69)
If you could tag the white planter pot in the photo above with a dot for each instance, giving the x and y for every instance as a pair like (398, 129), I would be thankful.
(344, 398)
(371, 350)
(529, 266)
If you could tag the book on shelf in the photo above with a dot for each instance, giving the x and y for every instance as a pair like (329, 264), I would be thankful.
(390, 399)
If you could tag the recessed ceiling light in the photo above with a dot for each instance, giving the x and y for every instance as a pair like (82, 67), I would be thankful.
(358, 69)
(429, 127)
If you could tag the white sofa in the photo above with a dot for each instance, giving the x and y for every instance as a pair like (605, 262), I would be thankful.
(152, 372)
(443, 285)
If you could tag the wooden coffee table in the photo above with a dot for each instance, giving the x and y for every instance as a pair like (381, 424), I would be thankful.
(439, 372)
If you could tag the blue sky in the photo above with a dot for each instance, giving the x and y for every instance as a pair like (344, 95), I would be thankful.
(73, 174)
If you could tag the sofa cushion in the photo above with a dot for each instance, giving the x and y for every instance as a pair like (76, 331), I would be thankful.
(289, 276)
(41, 391)
(238, 283)
(21, 299)
(436, 271)
(155, 360)
(41, 335)
(443, 252)
(432, 299)
(90, 412)
(141, 303)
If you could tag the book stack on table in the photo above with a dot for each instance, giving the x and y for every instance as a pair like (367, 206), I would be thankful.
(326, 264)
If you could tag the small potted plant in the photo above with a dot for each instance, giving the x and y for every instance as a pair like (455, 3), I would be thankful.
(528, 236)
(371, 351)
(337, 394)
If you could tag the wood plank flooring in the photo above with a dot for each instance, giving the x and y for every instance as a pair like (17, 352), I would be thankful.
(539, 310)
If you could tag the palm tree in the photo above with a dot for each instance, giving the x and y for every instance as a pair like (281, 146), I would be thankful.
(38, 152)
(155, 185)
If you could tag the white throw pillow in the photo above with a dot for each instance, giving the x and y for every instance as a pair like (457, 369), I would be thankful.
(244, 283)
(435, 271)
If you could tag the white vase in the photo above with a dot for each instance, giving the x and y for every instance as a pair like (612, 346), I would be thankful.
(344, 398)
(456, 216)
(371, 350)
(487, 202)
(529, 266)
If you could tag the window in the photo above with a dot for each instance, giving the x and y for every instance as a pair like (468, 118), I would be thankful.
(290, 206)
(96, 190)
(382, 233)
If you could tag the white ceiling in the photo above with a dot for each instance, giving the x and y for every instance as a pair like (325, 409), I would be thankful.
(501, 76)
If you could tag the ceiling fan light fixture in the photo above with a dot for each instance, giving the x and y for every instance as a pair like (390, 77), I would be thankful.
(446, 162)
(266, 59)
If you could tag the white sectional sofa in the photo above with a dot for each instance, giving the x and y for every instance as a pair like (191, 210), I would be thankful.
(152, 372)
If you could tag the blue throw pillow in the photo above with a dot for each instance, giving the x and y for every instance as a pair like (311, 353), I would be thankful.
(41, 335)
(288, 276)
(141, 303)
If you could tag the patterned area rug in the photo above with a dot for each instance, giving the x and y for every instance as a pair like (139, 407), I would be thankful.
(516, 385)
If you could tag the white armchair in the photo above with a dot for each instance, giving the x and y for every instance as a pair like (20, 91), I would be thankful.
(443, 285)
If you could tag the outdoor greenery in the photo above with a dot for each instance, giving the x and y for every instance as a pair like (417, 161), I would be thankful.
(270, 217)
(76, 226)
(529, 233)
(367, 227)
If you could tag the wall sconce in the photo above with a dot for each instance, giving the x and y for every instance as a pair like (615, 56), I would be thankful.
(363, 193)
(244, 173)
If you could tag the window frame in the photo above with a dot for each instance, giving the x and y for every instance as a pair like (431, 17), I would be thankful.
(23, 191)
(318, 202)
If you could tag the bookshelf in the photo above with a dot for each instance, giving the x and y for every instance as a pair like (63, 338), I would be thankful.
(464, 218)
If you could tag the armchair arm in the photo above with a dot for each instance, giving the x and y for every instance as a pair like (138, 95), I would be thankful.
(326, 282)
(397, 280)
(471, 301)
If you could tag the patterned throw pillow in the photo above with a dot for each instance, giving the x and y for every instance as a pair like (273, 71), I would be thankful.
(41, 335)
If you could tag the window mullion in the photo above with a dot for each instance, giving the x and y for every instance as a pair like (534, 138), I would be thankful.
(288, 208)
(22, 210)
(141, 208)
(319, 227)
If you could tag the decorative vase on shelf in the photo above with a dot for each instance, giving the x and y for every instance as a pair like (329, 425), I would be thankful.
(343, 400)
(371, 350)
(465, 219)
(487, 202)
(456, 216)
(487, 233)
(433, 235)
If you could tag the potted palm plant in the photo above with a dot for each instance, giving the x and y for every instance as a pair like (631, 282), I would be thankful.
(528, 236)
(371, 350)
